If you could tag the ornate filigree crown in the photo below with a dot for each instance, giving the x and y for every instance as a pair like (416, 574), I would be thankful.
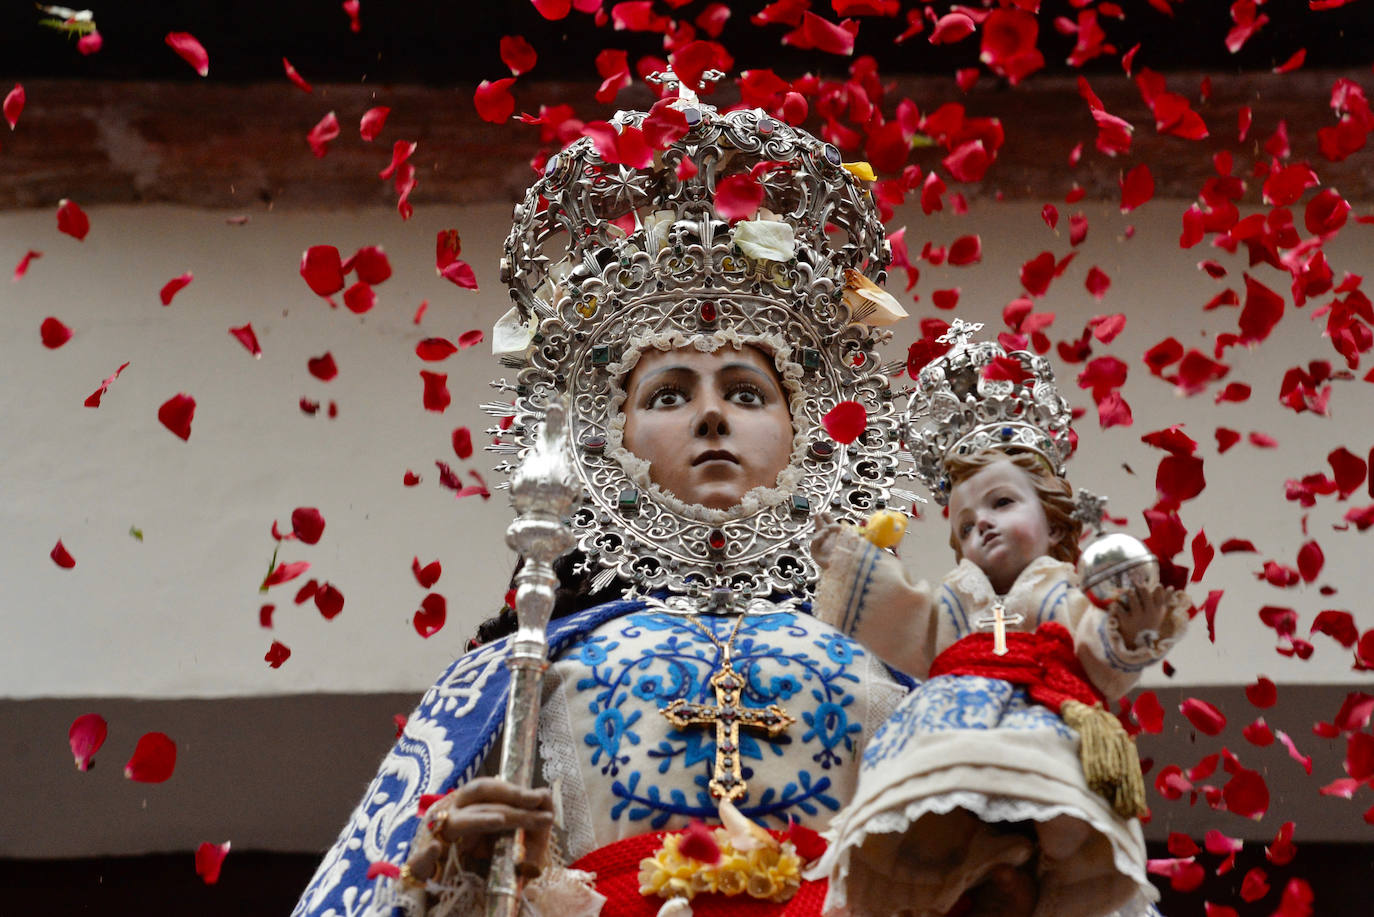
(977, 397)
(605, 259)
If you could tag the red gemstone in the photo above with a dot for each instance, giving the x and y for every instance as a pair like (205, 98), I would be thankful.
(708, 312)
(716, 540)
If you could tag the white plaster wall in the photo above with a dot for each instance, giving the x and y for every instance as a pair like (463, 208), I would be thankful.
(176, 615)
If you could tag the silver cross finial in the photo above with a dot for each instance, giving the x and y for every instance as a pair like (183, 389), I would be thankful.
(960, 333)
(686, 93)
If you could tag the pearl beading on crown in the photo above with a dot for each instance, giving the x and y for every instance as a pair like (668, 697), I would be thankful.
(956, 410)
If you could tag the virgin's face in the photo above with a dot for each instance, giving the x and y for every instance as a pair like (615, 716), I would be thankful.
(711, 425)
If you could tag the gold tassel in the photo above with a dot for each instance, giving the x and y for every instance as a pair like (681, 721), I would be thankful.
(1110, 761)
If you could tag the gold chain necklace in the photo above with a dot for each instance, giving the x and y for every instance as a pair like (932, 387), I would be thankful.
(727, 715)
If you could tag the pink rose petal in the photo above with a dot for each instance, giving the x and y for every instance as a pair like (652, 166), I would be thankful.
(86, 735)
(14, 104)
(285, 573)
(372, 122)
(325, 130)
(22, 267)
(295, 77)
(189, 49)
(153, 760)
(470, 338)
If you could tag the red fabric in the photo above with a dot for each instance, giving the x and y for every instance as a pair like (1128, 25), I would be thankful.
(1044, 662)
(617, 877)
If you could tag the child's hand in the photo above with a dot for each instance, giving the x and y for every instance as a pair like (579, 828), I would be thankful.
(1141, 610)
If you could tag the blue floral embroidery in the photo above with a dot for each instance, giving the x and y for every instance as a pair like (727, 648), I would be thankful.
(655, 658)
(961, 702)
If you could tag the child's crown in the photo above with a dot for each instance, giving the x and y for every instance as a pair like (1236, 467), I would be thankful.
(977, 397)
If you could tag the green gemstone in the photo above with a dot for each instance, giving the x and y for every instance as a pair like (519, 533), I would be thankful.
(601, 354)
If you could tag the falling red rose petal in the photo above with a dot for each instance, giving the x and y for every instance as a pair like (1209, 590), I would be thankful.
(1149, 713)
(430, 617)
(432, 350)
(176, 414)
(1205, 717)
(372, 122)
(470, 338)
(53, 333)
(360, 298)
(381, 867)
(1246, 794)
(190, 50)
(22, 267)
(14, 104)
(284, 573)
(329, 600)
(462, 443)
(265, 615)
(845, 421)
(209, 860)
(72, 220)
(307, 524)
(1297, 896)
(460, 273)
(322, 367)
(322, 269)
(85, 736)
(325, 130)
(436, 396)
(738, 197)
(1137, 187)
(517, 54)
(1263, 693)
(295, 77)
(493, 100)
(1281, 850)
(246, 336)
(174, 286)
(427, 575)
(277, 653)
(153, 760)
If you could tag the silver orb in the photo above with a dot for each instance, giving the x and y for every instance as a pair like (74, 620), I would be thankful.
(1114, 564)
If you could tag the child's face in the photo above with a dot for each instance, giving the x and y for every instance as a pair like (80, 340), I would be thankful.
(999, 523)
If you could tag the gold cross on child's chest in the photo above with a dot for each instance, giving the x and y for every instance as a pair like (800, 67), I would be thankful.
(728, 715)
(998, 621)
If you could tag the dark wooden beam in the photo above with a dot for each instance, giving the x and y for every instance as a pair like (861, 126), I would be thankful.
(243, 146)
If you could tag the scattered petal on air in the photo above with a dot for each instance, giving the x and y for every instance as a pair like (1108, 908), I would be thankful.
(209, 860)
(493, 100)
(154, 759)
(307, 592)
(1263, 693)
(460, 273)
(1349, 470)
(351, 8)
(14, 105)
(284, 573)
(277, 653)
(427, 575)
(189, 50)
(436, 396)
(322, 367)
(295, 77)
(965, 250)
(86, 735)
(322, 269)
(22, 267)
(265, 615)
(1255, 885)
(821, 34)
(1258, 734)
(432, 350)
(553, 9)
(383, 868)
(53, 333)
(72, 220)
(1205, 717)
(325, 130)
(1137, 187)
(307, 524)
(401, 150)
(174, 286)
(1293, 62)
(90, 43)
(952, 27)
(945, 299)
(1097, 282)
(517, 54)
(93, 399)
(845, 421)
(1281, 850)
(1246, 794)
(462, 443)
(370, 126)
(470, 338)
(360, 298)
(1037, 273)
(329, 600)
(1304, 760)
(176, 414)
(1297, 898)
(430, 616)
(1149, 713)
(246, 336)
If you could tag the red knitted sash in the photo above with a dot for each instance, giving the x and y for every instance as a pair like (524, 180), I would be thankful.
(1044, 662)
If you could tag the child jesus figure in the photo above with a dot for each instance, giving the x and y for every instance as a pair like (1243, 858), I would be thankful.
(1001, 785)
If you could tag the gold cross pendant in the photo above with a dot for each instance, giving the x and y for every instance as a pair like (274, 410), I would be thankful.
(728, 715)
(998, 622)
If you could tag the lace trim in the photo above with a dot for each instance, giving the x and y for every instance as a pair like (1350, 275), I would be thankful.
(757, 498)
(988, 809)
(973, 582)
(561, 770)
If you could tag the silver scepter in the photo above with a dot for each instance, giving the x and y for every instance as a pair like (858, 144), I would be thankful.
(542, 490)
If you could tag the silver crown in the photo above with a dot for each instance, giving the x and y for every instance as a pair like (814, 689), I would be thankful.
(956, 410)
(603, 254)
